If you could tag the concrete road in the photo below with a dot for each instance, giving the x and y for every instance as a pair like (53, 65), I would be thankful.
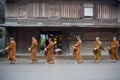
(61, 70)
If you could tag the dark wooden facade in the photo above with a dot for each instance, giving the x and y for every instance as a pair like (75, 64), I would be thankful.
(2, 21)
(2, 11)
(102, 9)
(87, 18)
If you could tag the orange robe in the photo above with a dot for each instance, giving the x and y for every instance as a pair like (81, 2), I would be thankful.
(113, 50)
(34, 50)
(76, 51)
(11, 51)
(97, 51)
(50, 52)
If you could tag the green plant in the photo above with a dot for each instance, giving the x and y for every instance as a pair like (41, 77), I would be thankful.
(1, 33)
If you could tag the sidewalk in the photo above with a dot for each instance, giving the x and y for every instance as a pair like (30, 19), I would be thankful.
(63, 56)
(86, 54)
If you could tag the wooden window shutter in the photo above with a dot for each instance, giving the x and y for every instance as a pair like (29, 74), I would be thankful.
(95, 11)
(81, 10)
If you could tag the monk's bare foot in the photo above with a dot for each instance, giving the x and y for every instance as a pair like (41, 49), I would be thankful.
(10, 62)
(52, 62)
(36, 62)
(48, 62)
(76, 62)
(15, 62)
(110, 61)
(100, 61)
(55, 60)
(80, 62)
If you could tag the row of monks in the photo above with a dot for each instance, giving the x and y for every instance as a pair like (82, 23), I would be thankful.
(49, 50)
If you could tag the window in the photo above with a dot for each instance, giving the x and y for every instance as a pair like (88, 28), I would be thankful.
(88, 10)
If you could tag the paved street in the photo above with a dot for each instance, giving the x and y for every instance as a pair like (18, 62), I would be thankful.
(61, 70)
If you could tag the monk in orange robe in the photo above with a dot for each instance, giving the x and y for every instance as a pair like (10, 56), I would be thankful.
(113, 49)
(76, 50)
(33, 49)
(50, 52)
(97, 50)
(11, 50)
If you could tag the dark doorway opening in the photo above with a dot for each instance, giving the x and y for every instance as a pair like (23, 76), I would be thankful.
(55, 35)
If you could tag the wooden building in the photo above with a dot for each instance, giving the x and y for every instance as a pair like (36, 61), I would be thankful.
(62, 20)
(2, 11)
(2, 20)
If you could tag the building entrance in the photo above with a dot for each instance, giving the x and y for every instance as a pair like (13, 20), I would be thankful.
(55, 35)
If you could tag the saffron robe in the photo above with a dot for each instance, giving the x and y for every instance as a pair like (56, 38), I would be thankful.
(97, 51)
(11, 51)
(76, 51)
(34, 50)
(113, 50)
(50, 52)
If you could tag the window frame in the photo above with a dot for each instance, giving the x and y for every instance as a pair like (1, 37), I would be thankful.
(90, 7)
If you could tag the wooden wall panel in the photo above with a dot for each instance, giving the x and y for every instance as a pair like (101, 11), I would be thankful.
(11, 10)
(119, 13)
(22, 10)
(64, 9)
(107, 10)
(35, 9)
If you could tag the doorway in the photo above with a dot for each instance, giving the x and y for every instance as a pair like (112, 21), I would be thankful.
(55, 35)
